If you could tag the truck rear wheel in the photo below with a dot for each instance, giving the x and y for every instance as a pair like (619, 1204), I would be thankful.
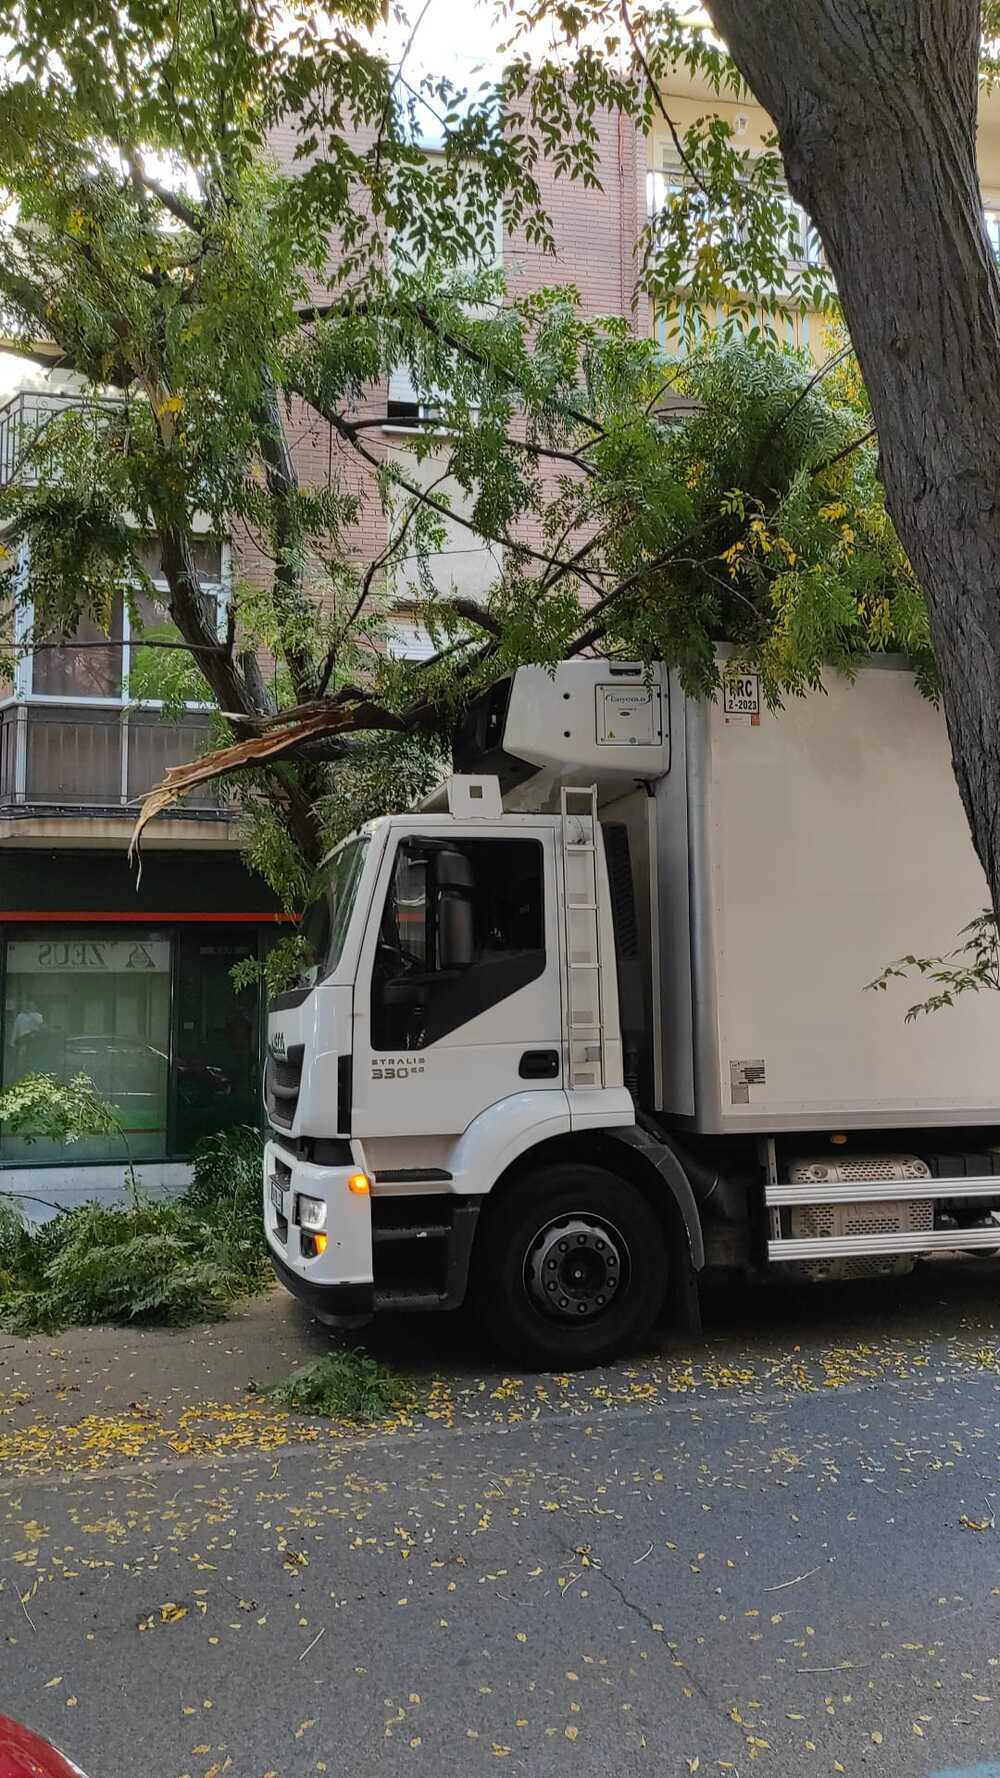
(570, 1266)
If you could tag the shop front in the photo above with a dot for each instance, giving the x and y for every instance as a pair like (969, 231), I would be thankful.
(140, 999)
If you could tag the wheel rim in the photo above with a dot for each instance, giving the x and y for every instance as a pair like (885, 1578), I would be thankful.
(575, 1267)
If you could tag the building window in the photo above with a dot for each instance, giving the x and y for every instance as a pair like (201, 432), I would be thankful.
(88, 672)
(82, 670)
(161, 675)
(671, 182)
(206, 553)
(150, 1015)
(80, 1000)
(462, 929)
(407, 640)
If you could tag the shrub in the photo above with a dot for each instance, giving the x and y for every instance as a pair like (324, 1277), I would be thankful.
(169, 1262)
(227, 1190)
(345, 1386)
(227, 1167)
(148, 1261)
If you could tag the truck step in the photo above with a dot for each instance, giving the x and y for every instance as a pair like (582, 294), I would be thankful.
(881, 1191)
(862, 1246)
(434, 1231)
(399, 1297)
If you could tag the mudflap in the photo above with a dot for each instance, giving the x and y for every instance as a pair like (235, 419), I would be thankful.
(684, 1310)
(688, 1254)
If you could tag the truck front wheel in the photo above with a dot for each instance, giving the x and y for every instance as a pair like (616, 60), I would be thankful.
(570, 1266)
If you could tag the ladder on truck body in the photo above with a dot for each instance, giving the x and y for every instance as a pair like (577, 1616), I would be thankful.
(586, 1060)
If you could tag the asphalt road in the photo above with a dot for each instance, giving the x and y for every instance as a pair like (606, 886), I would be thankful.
(776, 1546)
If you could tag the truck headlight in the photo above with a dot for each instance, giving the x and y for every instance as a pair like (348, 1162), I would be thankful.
(310, 1213)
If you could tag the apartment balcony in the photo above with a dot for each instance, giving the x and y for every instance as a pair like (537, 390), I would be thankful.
(81, 758)
(804, 245)
(25, 417)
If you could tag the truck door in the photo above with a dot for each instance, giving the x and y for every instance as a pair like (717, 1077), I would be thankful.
(458, 998)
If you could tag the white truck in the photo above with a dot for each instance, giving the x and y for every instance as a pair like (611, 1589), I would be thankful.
(595, 1019)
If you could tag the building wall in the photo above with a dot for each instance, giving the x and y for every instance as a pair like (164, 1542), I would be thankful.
(595, 250)
(595, 231)
(687, 100)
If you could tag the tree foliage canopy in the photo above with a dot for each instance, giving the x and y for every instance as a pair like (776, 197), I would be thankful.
(151, 244)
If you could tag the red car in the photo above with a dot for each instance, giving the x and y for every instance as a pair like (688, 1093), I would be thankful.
(24, 1755)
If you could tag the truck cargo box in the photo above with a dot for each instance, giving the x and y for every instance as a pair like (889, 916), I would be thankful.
(798, 852)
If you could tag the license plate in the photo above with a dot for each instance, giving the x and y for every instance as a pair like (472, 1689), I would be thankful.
(277, 1196)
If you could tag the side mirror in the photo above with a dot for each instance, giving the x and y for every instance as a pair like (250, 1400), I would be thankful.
(456, 939)
(454, 883)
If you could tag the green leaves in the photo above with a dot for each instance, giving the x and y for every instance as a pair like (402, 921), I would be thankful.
(345, 1386)
(41, 1106)
(973, 967)
(165, 1262)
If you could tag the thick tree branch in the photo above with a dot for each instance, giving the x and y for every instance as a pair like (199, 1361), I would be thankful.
(469, 609)
(195, 618)
(288, 590)
(177, 207)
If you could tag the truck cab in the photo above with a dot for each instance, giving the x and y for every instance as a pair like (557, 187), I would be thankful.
(460, 1016)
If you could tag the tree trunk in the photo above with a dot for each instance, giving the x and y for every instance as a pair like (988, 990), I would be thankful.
(876, 107)
(240, 691)
(291, 601)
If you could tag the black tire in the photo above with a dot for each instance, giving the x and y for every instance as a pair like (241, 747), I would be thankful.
(576, 1229)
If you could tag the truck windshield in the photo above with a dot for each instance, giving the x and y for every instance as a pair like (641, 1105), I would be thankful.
(325, 921)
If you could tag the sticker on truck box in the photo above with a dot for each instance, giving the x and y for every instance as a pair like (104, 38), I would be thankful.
(629, 716)
(741, 699)
(743, 1076)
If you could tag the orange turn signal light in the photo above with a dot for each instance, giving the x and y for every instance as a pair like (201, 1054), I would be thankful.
(360, 1183)
(319, 1243)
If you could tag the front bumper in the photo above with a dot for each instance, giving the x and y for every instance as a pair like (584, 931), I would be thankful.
(328, 1299)
(344, 1271)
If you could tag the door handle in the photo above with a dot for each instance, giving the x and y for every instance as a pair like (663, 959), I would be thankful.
(539, 1065)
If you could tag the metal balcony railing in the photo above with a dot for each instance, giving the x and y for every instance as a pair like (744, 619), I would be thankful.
(804, 245)
(27, 415)
(98, 759)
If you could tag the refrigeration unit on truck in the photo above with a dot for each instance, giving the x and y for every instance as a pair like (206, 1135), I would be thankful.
(596, 1019)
